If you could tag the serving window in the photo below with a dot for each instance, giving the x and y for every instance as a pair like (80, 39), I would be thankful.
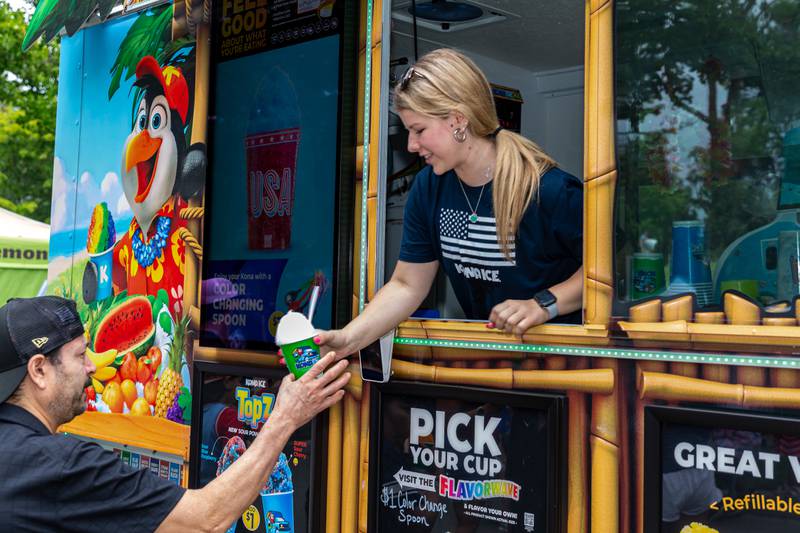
(531, 53)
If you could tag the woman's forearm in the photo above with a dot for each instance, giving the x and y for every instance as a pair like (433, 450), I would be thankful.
(569, 293)
(392, 304)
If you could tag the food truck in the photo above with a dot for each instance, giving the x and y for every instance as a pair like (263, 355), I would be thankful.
(216, 161)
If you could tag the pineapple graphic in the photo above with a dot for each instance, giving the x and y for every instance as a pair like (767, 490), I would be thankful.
(170, 384)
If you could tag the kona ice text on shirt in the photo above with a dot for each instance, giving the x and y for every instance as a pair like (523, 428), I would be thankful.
(473, 246)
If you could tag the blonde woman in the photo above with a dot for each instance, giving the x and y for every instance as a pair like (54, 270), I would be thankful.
(491, 208)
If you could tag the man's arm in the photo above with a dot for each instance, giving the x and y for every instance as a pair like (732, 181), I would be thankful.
(220, 503)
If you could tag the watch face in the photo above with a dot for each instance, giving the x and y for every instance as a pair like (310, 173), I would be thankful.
(545, 298)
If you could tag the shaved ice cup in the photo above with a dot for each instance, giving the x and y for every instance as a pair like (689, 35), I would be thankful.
(103, 262)
(278, 506)
(300, 356)
(295, 335)
(277, 498)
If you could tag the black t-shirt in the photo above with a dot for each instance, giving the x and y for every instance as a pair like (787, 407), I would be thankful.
(58, 483)
(547, 251)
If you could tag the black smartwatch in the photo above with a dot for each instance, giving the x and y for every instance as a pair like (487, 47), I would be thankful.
(547, 301)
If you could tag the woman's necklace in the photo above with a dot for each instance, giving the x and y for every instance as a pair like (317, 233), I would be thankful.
(473, 217)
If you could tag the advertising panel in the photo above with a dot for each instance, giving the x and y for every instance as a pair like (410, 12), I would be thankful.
(124, 170)
(720, 472)
(274, 130)
(232, 404)
(448, 461)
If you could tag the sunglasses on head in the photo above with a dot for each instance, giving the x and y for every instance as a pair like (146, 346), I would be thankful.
(408, 76)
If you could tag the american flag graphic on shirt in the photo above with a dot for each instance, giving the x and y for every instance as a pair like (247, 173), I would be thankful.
(472, 245)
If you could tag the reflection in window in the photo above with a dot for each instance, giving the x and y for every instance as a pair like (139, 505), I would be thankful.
(708, 148)
(532, 53)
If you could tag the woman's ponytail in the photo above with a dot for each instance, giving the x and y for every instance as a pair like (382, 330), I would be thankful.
(519, 166)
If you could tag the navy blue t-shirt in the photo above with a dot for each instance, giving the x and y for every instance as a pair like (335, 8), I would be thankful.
(58, 483)
(547, 250)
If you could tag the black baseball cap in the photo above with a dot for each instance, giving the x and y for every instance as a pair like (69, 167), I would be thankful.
(30, 326)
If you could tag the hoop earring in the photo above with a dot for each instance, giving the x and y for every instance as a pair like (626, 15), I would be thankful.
(460, 135)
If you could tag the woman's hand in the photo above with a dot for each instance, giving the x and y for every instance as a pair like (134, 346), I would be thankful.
(516, 316)
(334, 340)
(391, 305)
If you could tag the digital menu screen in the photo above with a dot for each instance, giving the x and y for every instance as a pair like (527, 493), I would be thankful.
(723, 472)
(232, 403)
(274, 157)
(461, 459)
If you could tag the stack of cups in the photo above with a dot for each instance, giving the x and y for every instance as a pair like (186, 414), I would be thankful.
(690, 271)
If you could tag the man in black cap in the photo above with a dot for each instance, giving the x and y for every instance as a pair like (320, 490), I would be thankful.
(52, 482)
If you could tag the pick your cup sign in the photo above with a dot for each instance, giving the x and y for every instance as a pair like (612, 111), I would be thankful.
(295, 335)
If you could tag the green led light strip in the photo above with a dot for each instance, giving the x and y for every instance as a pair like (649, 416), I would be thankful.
(362, 278)
(617, 353)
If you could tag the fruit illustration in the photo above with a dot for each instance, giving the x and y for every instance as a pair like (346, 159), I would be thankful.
(98, 387)
(127, 327)
(140, 407)
(105, 373)
(170, 382)
(102, 360)
(112, 396)
(143, 372)
(181, 409)
(127, 369)
(175, 413)
(90, 393)
(129, 393)
(151, 391)
(154, 356)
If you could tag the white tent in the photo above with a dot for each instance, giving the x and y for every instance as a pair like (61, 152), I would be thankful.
(23, 255)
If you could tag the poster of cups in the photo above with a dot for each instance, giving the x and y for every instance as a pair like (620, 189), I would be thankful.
(272, 193)
(460, 459)
(232, 404)
(724, 472)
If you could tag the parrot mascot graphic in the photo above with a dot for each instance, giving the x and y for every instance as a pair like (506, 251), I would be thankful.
(159, 174)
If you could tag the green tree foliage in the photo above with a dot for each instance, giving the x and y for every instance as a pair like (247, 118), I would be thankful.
(28, 89)
(704, 93)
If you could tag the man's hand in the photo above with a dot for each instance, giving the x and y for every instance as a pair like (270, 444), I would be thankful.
(300, 400)
(516, 316)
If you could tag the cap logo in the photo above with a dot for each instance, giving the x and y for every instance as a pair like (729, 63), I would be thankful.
(39, 341)
(169, 72)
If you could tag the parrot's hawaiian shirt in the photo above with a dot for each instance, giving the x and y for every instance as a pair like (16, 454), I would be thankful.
(145, 265)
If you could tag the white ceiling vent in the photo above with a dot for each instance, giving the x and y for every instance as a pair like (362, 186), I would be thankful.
(449, 15)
